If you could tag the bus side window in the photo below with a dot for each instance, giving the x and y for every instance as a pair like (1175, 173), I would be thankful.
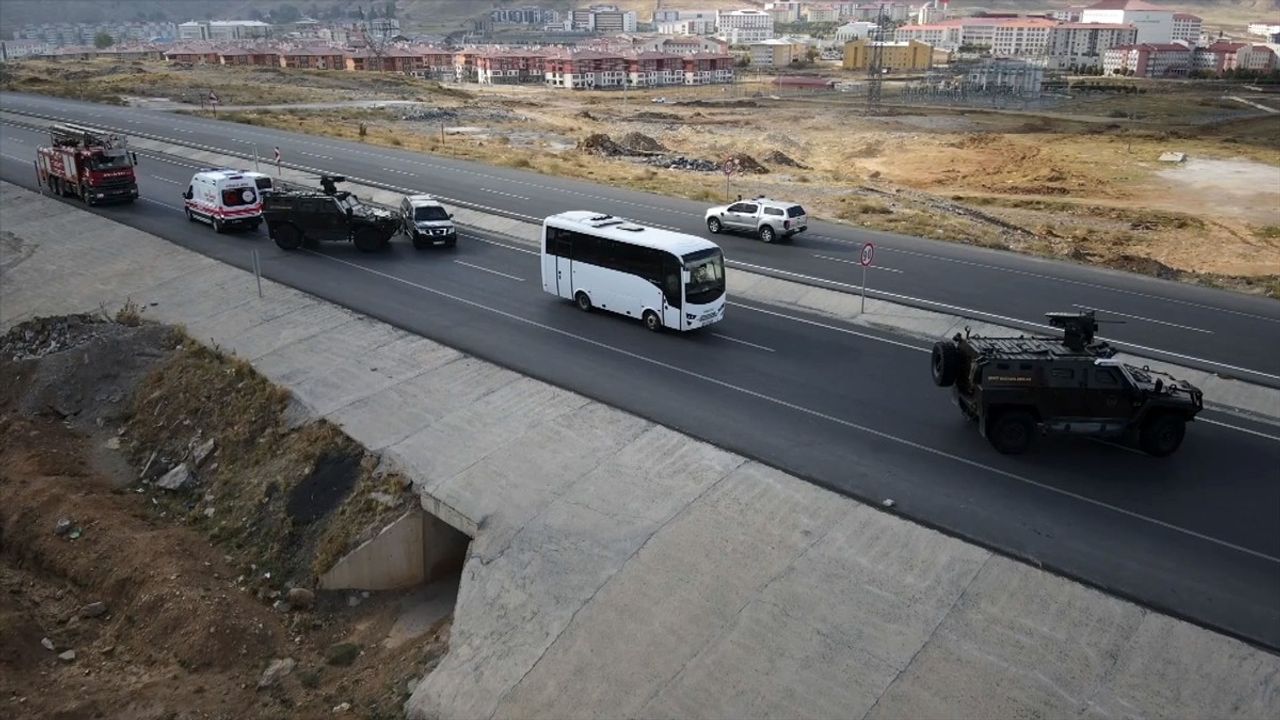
(671, 284)
(552, 234)
(585, 248)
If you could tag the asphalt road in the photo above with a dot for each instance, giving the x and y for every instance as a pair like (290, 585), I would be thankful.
(1224, 332)
(1197, 535)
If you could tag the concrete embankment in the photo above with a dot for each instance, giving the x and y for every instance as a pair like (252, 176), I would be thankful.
(763, 285)
(634, 571)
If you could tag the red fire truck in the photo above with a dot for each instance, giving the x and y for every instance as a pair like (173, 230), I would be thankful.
(93, 165)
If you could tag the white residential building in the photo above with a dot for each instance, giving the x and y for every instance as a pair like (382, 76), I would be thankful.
(1023, 37)
(601, 19)
(1148, 60)
(784, 12)
(851, 31)
(1154, 23)
(1264, 29)
(743, 27)
(774, 53)
(687, 22)
(821, 13)
(929, 13)
(1187, 28)
(1082, 46)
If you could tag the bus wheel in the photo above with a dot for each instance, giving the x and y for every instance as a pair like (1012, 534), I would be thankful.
(651, 321)
(584, 302)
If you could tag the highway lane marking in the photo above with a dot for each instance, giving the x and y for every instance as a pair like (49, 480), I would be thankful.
(1238, 429)
(1081, 283)
(485, 269)
(813, 413)
(500, 244)
(161, 179)
(743, 342)
(1005, 318)
(17, 139)
(855, 262)
(14, 157)
(507, 194)
(157, 202)
(322, 157)
(836, 328)
(1139, 317)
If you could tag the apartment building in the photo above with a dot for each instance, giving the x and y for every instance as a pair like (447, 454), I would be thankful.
(586, 70)
(707, 68)
(682, 45)
(1162, 60)
(854, 30)
(193, 54)
(1081, 46)
(1022, 37)
(784, 12)
(689, 22)
(1187, 28)
(821, 13)
(246, 56)
(1154, 23)
(511, 67)
(654, 69)
(1221, 57)
(526, 15)
(602, 19)
(313, 58)
(897, 56)
(776, 53)
(223, 30)
(743, 27)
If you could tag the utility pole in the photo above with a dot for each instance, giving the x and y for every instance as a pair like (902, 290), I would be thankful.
(875, 63)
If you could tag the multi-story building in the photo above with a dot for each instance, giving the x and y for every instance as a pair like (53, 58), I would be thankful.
(776, 53)
(14, 49)
(648, 68)
(526, 15)
(1068, 14)
(1021, 37)
(68, 34)
(853, 31)
(1081, 46)
(683, 45)
(602, 19)
(708, 68)
(313, 58)
(196, 53)
(1152, 60)
(437, 63)
(784, 12)
(511, 67)
(1154, 23)
(1263, 29)
(1187, 28)
(688, 22)
(258, 57)
(948, 35)
(931, 12)
(743, 27)
(896, 56)
(586, 70)
(1222, 56)
(821, 13)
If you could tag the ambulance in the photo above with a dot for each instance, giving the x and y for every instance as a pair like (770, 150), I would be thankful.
(225, 199)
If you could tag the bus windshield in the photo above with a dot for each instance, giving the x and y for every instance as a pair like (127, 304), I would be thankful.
(706, 276)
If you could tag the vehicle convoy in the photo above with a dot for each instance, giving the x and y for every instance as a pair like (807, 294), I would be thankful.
(426, 222)
(295, 216)
(93, 165)
(665, 279)
(769, 220)
(225, 199)
(1016, 386)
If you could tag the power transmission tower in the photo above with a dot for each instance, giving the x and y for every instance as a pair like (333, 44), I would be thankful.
(875, 63)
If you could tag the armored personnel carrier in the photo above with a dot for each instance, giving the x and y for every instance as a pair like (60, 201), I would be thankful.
(1018, 387)
(295, 216)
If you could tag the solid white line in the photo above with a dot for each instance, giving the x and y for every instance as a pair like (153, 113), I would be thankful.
(836, 328)
(812, 413)
(1271, 110)
(855, 262)
(500, 244)
(485, 269)
(157, 202)
(1239, 429)
(1139, 317)
(14, 157)
(743, 342)
(1005, 318)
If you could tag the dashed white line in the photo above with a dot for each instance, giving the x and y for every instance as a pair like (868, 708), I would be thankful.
(157, 202)
(504, 194)
(161, 179)
(855, 262)
(816, 413)
(1139, 317)
(743, 342)
(485, 269)
(322, 157)
(1237, 428)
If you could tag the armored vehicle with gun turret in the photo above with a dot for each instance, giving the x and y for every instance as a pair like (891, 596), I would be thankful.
(1018, 387)
(296, 216)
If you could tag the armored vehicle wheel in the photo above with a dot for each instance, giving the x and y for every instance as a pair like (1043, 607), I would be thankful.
(1010, 432)
(288, 237)
(369, 240)
(651, 321)
(1162, 434)
(767, 235)
(583, 300)
(713, 225)
(945, 363)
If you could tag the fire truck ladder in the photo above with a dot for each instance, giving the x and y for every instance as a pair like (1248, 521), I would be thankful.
(67, 135)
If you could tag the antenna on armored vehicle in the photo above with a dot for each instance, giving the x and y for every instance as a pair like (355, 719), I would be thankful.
(328, 183)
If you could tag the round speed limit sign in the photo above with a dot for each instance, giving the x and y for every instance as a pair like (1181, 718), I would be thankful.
(868, 252)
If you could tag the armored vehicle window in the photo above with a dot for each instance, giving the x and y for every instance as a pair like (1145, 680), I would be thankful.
(1106, 377)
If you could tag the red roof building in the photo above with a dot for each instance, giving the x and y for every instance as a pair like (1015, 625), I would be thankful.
(314, 58)
(513, 67)
(586, 70)
(654, 69)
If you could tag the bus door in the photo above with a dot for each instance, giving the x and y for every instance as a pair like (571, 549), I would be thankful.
(563, 247)
(672, 291)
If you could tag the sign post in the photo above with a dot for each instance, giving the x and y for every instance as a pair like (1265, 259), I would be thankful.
(868, 253)
(277, 150)
(255, 158)
(213, 103)
(729, 167)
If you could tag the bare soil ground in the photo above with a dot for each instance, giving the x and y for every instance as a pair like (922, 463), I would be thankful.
(121, 599)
